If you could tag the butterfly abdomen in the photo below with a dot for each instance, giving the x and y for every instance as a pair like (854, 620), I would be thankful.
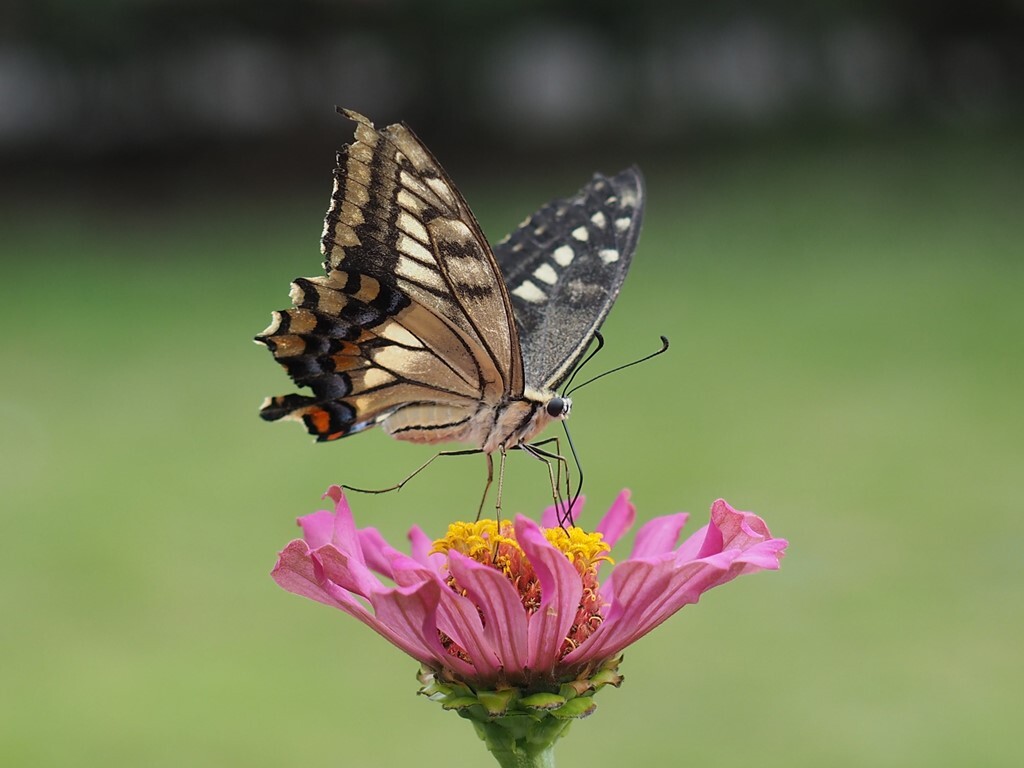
(486, 427)
(430, 423)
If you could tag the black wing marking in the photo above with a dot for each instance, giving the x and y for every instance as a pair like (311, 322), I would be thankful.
(365, 350)
(564, 267)
(396, 215)
(412, 308)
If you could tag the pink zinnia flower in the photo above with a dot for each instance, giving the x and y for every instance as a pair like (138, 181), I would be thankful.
(520, 605)
(511, 618)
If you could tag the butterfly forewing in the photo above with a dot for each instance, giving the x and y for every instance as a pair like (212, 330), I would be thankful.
(412, 312)
(564, 267)
(395, 214)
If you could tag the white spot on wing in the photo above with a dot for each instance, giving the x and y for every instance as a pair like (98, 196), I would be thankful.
(622, 224)
(581, 234)
(397, 333)
(442, 190)
(412, 247)
(530, 292)
(546, 274)
(599, 220)
(409, 202)
(411, 226)
(608, 255)
(419, 273)
(628, 198)
(375, 377)
(564, 255)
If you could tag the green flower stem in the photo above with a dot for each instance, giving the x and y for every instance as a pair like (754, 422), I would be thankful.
(518, 742)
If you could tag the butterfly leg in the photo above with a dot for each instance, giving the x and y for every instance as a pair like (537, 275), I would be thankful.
(487, 485)
(501, 482)
(398, 486)
(554, 475)
(560, 460)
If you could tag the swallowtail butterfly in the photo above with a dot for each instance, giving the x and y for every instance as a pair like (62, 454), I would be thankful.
(418, 325)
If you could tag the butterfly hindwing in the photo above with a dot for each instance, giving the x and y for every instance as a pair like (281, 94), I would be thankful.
(359, 346)
(564, 267)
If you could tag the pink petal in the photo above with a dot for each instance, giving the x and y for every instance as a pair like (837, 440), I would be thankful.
(646, 592)
(561, 589)
(456, 615)
(346, 572)
(409, 616)
(406, 571)
(337, 528)
(691, 548)
(379, 555)
(658, 536)
(296, 573)
(550, 517)
(618, 519)
(637, 585)
(504, 616)
(765, 556)
(459, 618)
(739, 529)
(406, 616)
(421, 544)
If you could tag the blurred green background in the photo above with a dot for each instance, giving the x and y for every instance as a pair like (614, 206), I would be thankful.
(833, 242)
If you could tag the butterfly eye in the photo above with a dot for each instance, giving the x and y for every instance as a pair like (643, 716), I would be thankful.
(558, 407)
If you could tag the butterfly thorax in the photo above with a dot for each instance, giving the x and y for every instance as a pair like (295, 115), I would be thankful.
(490, 427)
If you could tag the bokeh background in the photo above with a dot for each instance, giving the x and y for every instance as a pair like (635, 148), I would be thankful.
(833, 242)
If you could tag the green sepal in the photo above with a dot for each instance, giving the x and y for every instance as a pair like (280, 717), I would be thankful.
(606, 677)
(577, 708)
(520, 726)
(459, 702)
(544, 701)
(574, 688)
(496, 702)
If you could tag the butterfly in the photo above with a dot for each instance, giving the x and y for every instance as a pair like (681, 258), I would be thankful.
(419, 326)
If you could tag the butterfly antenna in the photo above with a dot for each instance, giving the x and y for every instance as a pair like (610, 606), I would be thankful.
(664, 348)
(579, 485)
(587, 359)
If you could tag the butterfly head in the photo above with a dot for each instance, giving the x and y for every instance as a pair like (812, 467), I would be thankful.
(558, 407)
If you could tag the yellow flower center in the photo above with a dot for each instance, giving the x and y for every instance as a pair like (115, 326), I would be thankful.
(494, 544)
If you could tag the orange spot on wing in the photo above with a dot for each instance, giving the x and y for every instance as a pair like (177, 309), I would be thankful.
(343, 362)
(320, 419)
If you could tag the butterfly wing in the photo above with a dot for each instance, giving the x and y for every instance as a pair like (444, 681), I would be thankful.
(564, 267)
(412, 312)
